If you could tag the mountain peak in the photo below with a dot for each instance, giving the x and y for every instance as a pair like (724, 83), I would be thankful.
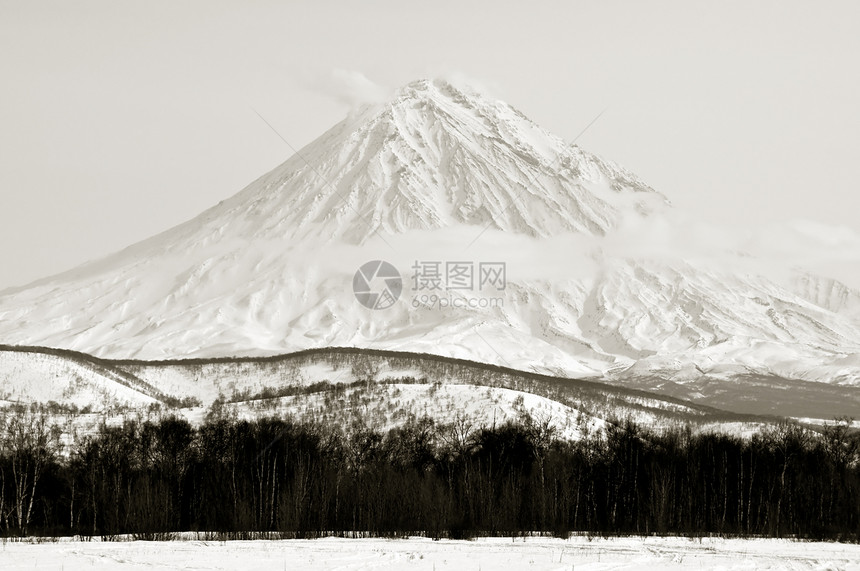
(477, 111)
(437, 155)
(429, 86)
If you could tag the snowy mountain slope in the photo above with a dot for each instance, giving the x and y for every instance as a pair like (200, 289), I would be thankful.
(753, 393)
(346, 385)
(270, 270)
(40, 376)
(432, 157)
(828, 293)
(683, 317)
(236, 379)
(388, 405)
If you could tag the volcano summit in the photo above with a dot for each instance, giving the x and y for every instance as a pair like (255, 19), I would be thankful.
(428, 174)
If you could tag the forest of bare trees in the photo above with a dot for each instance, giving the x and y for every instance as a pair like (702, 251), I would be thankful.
(275, 477)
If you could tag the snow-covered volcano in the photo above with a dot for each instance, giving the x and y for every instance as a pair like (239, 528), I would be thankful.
(271, 269)
(432, 157)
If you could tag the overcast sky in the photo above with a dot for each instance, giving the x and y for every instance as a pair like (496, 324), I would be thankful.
(121, 119)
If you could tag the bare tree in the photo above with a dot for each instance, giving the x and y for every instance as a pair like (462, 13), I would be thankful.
(29, 443)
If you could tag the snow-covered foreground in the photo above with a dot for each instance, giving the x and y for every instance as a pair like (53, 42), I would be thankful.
(419, 553)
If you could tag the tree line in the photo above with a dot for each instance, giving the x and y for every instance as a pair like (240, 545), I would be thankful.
(277, 477)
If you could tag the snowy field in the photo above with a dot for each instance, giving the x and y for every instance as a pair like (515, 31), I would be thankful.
(418, 553)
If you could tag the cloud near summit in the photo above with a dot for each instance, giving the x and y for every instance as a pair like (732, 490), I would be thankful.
(351, 88)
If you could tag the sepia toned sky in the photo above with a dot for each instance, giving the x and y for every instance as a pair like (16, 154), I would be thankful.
(120, 120)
